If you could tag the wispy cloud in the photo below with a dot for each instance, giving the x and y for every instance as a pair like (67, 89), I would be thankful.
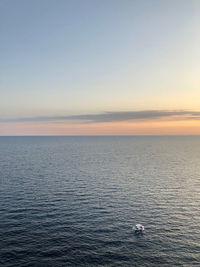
(143, 115)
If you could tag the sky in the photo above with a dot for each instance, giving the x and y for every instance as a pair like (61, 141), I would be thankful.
(99, 67)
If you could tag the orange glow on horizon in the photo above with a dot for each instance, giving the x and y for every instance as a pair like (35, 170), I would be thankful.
(112, 128)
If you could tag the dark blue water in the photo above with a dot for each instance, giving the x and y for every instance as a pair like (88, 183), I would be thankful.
(72, 201)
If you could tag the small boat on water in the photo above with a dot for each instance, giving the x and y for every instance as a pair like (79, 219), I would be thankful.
(139, 228)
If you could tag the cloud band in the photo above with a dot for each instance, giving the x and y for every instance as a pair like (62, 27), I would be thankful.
(144, 115)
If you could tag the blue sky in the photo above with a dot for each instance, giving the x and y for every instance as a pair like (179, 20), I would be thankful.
(62, 58)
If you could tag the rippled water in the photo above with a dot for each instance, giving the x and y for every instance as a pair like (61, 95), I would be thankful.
(72, 201)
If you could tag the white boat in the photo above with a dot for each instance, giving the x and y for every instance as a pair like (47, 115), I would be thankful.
(139, 228)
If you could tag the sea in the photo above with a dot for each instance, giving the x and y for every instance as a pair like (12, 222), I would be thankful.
(73, 201)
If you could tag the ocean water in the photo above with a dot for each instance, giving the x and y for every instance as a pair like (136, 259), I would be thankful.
(72, 201)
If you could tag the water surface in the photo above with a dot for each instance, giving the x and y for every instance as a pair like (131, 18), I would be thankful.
(72, 201)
